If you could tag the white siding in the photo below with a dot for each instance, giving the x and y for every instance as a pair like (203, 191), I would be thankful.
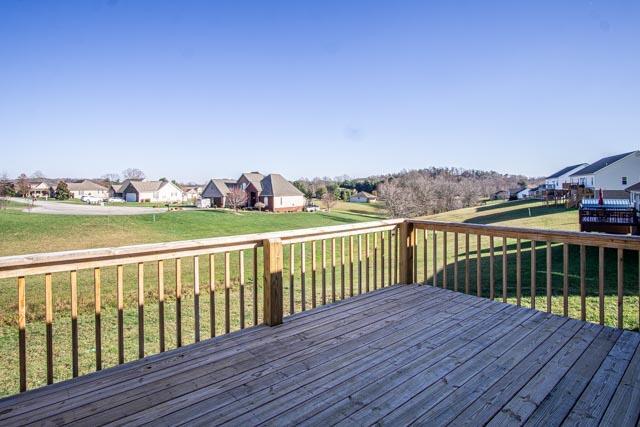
(288, 202)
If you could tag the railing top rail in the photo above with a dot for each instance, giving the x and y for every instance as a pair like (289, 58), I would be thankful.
(571, 237)
(38, 263)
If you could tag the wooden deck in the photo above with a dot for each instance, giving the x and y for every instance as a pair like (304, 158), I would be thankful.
(400, 355)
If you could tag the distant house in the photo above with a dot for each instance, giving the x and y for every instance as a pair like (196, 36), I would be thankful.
(500, 195)
(41, 188)
(87, 188)
(523, 193)
(216, 190)
(190, 193)
(634, 194)
(115, 189)
(362, 197)
(279, 195)
(611, 174)
(274, 191)
(251, 183)
(152, 191)
(563, 176)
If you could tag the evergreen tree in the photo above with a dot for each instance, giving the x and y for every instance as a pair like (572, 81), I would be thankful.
(62, 191)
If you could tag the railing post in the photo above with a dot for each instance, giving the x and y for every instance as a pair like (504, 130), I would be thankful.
(407, 243)
(273, 265)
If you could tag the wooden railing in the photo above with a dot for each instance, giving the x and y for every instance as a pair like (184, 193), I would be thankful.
(573, 251)
(351, 261)
(292, 271)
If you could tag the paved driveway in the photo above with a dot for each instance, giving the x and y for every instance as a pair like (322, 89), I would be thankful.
(59, 208)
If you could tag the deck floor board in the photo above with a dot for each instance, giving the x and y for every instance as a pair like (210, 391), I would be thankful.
(399, 355)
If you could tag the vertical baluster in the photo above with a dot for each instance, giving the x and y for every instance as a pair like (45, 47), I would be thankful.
(504, 269)
(375, 261)
(227, 292)
(196, 297)
(359, 264)
(478, 265)
(434, 255)
(396, 270)
(178, 302)
(255, 286)
(292, 274)
(425, 257)
(333, 270)
(120, 305)
(313, 274)
(518, 272)
(639, 290)
(97, 310)
(382, 257)
(444, 260)
(549, 283)
(303, 281)
(565, 280)
(583, 287)
(241, 290)
(390, 260)
(601, 285)
(467, 273)
(455, 261)
(212, 295)
(48, 310)
(140, 310)
(22, 334)
(620, 288)
(414, 254)
(161, 304)
(324, 271)
(367, 261)
(342, 266)
(351, 266)
(492, 277)
(73, 278)
(533, 274)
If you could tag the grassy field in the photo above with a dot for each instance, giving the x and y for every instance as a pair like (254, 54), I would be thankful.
(27, 233)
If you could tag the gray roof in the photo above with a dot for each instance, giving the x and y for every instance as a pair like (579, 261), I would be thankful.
(634, 187)
(146, 186)
(364, 194)
(275, 185)
(85, 185)
(216, 188)
(565, 170)
(600, 164)
(254, 178)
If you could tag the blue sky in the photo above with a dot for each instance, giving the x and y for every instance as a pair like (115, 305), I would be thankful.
(199, 89)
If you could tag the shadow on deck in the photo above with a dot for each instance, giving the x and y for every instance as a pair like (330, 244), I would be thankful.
(398, 355)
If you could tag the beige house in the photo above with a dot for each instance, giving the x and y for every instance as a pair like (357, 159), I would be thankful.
(279, 195)
(362, 197)
(87, 188)
(612, 174)
(152, 191)
(216, 190)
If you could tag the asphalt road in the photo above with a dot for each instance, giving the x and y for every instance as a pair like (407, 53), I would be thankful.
(58, 208)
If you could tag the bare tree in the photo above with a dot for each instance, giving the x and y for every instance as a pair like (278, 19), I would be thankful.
(37, 175)
(133, 173)
(22, 185)
(110, 177)
(329, 200)
(236, 198)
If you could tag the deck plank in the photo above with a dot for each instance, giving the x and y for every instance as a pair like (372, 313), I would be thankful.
(594, 400)
(398, 355)
(554, 407)
(539, 373)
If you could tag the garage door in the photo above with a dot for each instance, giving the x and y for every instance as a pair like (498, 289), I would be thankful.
(130, 197)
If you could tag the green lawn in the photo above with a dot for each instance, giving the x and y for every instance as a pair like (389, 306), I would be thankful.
(21, 233)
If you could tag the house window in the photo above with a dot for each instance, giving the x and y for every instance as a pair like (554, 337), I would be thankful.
(624, 180)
